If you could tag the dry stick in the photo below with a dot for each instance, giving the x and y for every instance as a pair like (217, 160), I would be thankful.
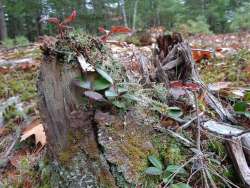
(13, 143)
(223, 138)
(178, 169)
(227, 181)
(198, 139)
(210, 178)
(190, 177)
(205, 178)
(186, 125)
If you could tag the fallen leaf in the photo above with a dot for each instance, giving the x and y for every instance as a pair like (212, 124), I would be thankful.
(85, 66)
(218, 86)
(199, 54)
(120, 29)
(188, 85)
(16, 159)
(37, 130)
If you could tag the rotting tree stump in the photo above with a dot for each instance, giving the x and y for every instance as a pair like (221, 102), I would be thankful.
(91, 148)
(71, 132)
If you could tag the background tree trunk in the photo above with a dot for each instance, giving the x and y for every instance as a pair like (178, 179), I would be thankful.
(135, 14)
(124, 14)
(3, 27)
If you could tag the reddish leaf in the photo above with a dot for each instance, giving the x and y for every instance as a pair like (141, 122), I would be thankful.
(71, 18)
(190, 86)
(120, 29)
(199, 54)
(104, 38)
(55, 21)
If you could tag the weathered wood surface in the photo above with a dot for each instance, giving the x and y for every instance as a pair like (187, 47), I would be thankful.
(67, 125)
(237, 155)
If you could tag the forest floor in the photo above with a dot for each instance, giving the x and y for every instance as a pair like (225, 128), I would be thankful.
(227, 72)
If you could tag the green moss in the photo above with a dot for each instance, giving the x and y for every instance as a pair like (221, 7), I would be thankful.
(18, 83)
(217, 146)
(169, 150)
(11, 113)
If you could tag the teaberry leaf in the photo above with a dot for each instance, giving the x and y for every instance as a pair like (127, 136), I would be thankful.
(84, 65)
(104, 38)
(119, 104)
(176, 169)
(36, 129)
(240, 107)
(156, 162)
(247, 114)
(102, 30)
(104, 75)
(174, 112)
(120, 29)
(80, 82)
(153, 171)
(71, 18)
(111, 93)
(100, 83)
(94, 95)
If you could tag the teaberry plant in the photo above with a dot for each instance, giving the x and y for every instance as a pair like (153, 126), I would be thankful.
(62, 26)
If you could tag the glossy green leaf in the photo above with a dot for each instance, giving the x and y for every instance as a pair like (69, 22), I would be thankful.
(104, 75)
(80, 82)
(121, 90)
(94, 95)
(180, 185)
(119, 104)
(167, 179)
(111, 93)
(247, 114)
(153, 171)
(100, 84)
(174, 112)
(156, 162)
(240, 107)
(175, 168)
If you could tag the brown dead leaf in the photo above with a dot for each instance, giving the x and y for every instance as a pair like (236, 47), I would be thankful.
(16, 159)
(36, 129)
(3, 131)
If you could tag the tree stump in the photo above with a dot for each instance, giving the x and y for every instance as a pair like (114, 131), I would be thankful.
(90, 149)
(71, 133)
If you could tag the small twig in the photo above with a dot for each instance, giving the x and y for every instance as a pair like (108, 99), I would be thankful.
(186, 125)
(210, 178)
(185, 141)
(13, 143)
(205, 178)
(190, 177)
(226, 181)
(178, 169)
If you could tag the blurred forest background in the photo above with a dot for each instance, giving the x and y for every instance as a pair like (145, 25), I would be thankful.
(20, 19)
